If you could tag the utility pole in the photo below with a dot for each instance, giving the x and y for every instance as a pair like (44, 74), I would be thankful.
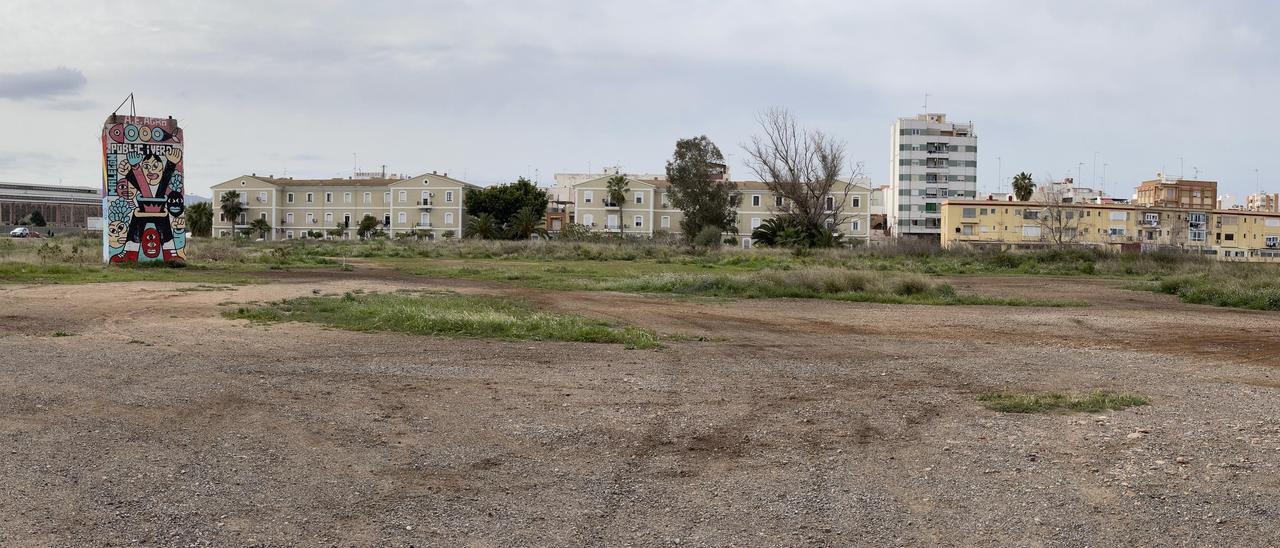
(1094, 182)
(1079, 168)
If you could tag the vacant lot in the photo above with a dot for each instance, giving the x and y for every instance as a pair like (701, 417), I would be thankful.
(154, 418)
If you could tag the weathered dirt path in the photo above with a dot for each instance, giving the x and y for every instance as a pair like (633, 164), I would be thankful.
(797, 422)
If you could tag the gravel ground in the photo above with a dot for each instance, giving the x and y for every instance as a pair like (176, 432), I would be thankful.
(794, 422)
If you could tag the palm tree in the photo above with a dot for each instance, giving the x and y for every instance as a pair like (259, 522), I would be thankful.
(525, 223)
(231, 208)
(200, 219)
(482, 226)
(261, 226)
(1023, 187)
(617, 188)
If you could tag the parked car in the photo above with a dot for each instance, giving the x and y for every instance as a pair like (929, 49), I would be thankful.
(20, 232)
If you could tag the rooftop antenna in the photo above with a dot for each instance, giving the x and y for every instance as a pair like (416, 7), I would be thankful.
(926, 103)
(1195, 173)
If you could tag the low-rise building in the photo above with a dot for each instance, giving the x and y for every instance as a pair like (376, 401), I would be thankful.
(1224, 234)
(430, 204)
(61, 206)
(648, 209)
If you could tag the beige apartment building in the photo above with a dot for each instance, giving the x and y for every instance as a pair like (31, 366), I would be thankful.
(648, 209)
(429, 204)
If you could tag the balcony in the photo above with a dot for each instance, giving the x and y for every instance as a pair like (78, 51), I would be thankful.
(424, 204)
(610, 205)
(422, 225)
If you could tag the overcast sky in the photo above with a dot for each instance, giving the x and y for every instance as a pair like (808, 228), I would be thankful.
(489, 91)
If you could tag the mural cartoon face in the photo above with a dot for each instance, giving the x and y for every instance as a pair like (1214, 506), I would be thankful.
(174, 204)
(151, 243)
(152, 169)
(117, 233)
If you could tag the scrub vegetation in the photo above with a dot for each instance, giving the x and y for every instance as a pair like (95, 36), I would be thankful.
(1045, 402)
(446, 314)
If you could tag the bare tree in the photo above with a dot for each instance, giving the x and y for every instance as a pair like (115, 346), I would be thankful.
(1059, 223)
(803, 166)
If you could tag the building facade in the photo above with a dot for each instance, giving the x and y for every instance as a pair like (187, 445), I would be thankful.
(1262, 201)
(61, 206)
(429, 205)
(931, 160)
(1186, 193)
(648, 210)
(1223, 234)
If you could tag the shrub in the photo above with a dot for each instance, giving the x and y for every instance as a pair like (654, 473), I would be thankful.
(708, 237)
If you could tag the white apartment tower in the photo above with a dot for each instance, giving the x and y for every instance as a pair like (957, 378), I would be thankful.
(931, 160)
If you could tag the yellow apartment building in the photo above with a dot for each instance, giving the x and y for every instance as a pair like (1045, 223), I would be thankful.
(1224, 234)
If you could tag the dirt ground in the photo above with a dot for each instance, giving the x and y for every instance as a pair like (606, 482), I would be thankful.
(794, 422)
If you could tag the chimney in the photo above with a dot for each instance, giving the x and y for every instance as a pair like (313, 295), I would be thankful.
(384, 171)
(433, 172)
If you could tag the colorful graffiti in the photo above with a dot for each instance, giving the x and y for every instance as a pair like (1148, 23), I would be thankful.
(142, 192)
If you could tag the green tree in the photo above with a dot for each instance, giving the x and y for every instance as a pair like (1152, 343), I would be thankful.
(527, 223)
(231, 207)
(259, 226)
(36, 218)
(200, 219)
(368, 227)
(504, 202)
(699, 187)
(483, 226)
(1023, 186)
(617, 188)
(337, 231)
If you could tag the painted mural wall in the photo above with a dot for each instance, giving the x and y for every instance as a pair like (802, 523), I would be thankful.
(143, 202)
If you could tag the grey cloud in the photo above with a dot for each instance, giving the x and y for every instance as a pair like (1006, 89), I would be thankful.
(41, 84)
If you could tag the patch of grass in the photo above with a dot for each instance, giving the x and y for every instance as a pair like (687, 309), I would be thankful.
(18, 272)
(1251, 286)
(446, 314)
(818, 283)
(61, 334)
(1093, 402)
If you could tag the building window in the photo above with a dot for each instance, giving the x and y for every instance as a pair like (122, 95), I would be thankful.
(755, 223)
(777, 201)
(855, 225)
(426, 198)
(588, 220)
(368, 197)
(448, 219)
(639, 221)
(328, 197)
(401, 218)
(288, 218)
(288, 198)
(311, 197)
(386, 197)
(666, 221)
(755, 200)
(311, 219)
(831, 203)
(288, 235)
(857, 202)
(262, 196)
(328, 219)
(346, 197)
(639, 198)
(346, 220)
(587, 196)
(969, 213)
(424, 219)
(448, 196)
(403, 196)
